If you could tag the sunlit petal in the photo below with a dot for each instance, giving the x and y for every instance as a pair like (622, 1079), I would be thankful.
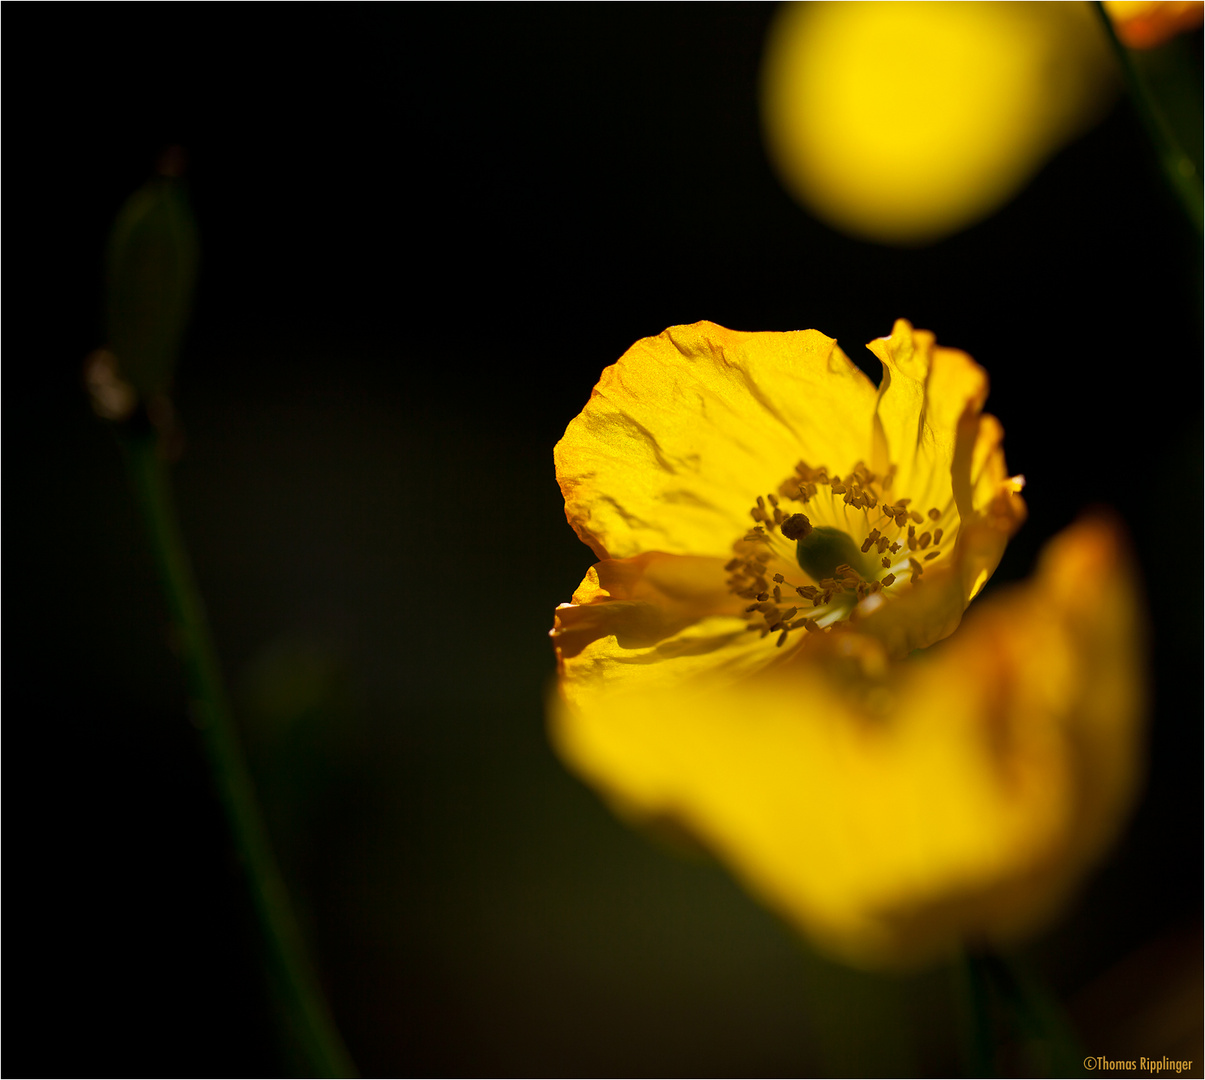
(897, 811)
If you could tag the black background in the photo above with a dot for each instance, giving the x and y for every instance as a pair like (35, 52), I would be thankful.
(425, 232)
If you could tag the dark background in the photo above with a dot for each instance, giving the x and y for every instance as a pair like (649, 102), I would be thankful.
(425, 232)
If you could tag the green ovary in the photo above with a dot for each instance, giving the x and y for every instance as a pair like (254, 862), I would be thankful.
(824, 549)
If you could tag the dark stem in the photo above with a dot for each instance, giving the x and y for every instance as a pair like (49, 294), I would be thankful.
(1181, 172)
(979, 1032)
(301, 998)
(1011, 1014)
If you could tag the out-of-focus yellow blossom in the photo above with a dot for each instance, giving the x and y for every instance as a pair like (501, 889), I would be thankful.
(896, 811)
(905, 122)
(1143, 24)
(748, 492)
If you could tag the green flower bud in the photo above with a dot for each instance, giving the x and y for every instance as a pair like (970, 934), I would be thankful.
(152, 265)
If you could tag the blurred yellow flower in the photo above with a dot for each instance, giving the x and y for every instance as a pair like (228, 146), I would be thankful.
(747, 492)
(905, 122)
(1143, 24)
(895, 811)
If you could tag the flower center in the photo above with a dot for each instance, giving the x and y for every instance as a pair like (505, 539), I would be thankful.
(853, 548)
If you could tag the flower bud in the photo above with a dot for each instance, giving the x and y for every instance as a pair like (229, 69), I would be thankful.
(152, 262)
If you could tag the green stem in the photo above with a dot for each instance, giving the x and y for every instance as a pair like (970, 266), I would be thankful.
(325, 1054)
(1042, 1021)
(1005, 1003)
(1182, 174)
(979, 1040)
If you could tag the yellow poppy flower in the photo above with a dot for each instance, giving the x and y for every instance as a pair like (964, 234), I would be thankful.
(895, 811)
(746, 491)
(906, 122)
(1143, 24)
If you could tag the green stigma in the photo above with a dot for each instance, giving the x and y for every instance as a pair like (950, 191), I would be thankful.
(823, 549)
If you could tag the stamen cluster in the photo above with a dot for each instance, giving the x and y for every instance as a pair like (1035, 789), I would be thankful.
(766, 558)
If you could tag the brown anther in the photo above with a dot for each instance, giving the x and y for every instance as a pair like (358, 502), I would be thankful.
(810, 625)
(777, 595)
(762, 556)
(932, 555)
(782, 639)
(763, 597)
(882, 544)
(937, 536)
(888, 579)
(839, 488)
(732, 564)
(773, 498)
(935, 514)
(779, 578)
(886, 561)
(751, 608)
(916, 568)
(894, 548)
(761, 503)
(916, 517)
(796, 527)
(757, 514)
(789, 613)
(923, 540)
(779, 516)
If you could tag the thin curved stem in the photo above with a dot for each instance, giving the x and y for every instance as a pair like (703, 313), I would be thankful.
(1181, 172)
(303, 1002)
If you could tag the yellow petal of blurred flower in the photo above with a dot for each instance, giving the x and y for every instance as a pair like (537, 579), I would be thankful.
(905, 122)
(749, 491)
(1143, 24)
(896, 811)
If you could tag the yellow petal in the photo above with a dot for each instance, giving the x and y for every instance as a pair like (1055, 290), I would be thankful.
(925, 394)
(651, 621)
(688, 427)
(931, 431)
(897, 811)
